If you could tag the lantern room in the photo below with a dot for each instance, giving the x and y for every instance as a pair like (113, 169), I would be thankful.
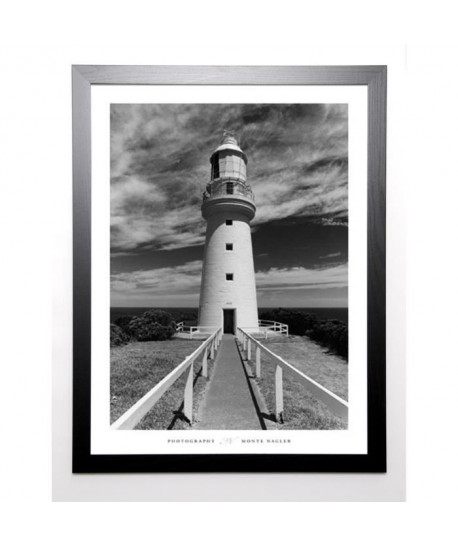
(228, 161)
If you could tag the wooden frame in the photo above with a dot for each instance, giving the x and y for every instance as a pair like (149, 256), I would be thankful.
(83, 77)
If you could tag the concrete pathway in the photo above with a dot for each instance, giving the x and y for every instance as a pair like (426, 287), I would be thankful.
(228, 403)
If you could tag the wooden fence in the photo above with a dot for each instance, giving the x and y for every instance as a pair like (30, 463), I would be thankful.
(337, 405)
(136, 412)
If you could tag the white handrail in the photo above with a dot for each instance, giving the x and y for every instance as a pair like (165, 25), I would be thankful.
(136, 412)
(337, 405)
(275, 326)
(191, 330)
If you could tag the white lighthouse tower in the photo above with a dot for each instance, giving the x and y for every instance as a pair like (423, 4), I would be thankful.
(228, 288)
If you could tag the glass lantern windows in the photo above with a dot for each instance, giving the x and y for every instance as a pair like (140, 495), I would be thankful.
(228, 164)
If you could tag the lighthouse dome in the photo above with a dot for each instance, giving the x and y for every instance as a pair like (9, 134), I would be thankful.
(230, 143)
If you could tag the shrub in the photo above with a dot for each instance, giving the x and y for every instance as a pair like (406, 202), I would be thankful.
(297, 322)
(152, 325)
(117, 336)
(123, 322)
(332, 334)
(190, 317)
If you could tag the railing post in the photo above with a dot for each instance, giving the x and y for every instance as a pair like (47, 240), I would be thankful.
(204, 364)
(212, 349)
(249, 349)
(258, 362)
(244, 341)
(187, 403)
(279, 394)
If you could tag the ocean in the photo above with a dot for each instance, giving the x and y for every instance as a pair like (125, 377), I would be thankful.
(177, 313)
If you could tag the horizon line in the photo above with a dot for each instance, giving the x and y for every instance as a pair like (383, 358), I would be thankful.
(259, 307)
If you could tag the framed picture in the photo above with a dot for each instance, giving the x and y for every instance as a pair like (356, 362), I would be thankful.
(229, 269)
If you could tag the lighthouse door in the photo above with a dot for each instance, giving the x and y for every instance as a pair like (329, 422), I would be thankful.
(228, 321)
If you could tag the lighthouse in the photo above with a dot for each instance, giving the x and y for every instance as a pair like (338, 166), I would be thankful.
(228, 287)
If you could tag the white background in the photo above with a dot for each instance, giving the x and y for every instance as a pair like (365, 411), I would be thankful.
(39, 42)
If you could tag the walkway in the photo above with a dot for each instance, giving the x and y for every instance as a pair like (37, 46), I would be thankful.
(228, 403)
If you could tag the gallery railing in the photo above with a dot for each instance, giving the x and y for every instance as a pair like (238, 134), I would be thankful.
(227, 187)
(337, 405)
(136, 412)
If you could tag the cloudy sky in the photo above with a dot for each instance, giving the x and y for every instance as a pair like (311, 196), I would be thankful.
(297, 168)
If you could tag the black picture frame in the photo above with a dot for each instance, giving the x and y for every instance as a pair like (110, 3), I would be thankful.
(375, 78)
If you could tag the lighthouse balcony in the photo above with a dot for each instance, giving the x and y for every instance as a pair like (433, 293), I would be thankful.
(227, 187)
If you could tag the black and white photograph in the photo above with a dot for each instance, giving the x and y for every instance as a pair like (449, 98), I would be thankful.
(229, 267)
(231, 288)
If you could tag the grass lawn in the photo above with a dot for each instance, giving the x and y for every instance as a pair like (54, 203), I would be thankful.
(302, 410)
(139, 366)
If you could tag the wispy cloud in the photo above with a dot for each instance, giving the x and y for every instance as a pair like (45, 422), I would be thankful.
(160, 280)
(302, 278)
(180, 285)
(330, 255)
(159, 167)
(333, 222)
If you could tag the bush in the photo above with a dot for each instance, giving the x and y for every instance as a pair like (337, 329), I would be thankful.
(332, 334)
(152, 325)
(123, 322)
(189, 318)
(297, 322)
(117, 336)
